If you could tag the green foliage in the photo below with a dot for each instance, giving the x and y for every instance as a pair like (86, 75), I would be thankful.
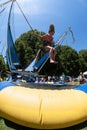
(68, 60)
(3, 67)
(83, 60)
(27, 46)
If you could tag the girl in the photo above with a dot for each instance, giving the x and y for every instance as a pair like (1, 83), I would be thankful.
(48, 43)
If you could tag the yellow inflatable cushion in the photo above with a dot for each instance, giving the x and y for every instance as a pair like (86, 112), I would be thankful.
(43, 109)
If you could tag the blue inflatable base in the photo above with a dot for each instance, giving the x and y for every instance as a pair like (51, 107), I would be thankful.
(82, 87)
(5, 84)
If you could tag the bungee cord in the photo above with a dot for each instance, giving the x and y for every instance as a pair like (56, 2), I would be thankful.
(20, 10)
(25, 16)
(2, 10)
(6, 2)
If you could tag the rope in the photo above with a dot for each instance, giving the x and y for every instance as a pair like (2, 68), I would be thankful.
(9, 30)
(2, 10)
(6, 2)
(24, 16)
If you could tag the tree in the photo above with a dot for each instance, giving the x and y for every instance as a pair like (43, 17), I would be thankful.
(83, 60)
(3, 67)
(27, 46)
(68, 60)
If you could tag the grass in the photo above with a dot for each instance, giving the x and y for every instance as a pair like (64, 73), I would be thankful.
(7, 125)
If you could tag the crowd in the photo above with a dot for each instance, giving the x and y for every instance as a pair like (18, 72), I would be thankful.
(81, 79)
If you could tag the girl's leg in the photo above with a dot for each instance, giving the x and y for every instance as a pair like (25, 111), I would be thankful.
(49, 48)
(52, 56)
(54, 53)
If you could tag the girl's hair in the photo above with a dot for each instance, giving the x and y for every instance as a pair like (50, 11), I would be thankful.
(51, 28)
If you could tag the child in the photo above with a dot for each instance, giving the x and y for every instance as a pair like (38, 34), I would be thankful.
(48, 39)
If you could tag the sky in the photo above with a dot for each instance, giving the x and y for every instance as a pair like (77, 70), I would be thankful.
(41, 13)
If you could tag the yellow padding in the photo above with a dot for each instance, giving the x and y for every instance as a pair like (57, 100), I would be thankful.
(43, 109)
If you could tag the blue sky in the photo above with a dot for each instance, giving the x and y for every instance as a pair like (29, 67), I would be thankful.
(41, 13)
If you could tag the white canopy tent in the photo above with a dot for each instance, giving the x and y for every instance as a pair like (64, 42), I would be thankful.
(85, 73)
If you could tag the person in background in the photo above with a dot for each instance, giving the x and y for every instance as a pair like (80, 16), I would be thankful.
(63, 76)
(48, 43)
(81, 78)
